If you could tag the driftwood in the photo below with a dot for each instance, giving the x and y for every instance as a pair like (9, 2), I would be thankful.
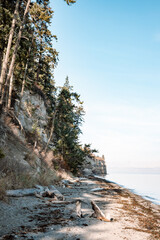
(74, 209)
(39, 191)
(54, 191)
(99, 214)
(78, 209)
(41, 188)
(98, 189)
(22, 192)
(49, 192)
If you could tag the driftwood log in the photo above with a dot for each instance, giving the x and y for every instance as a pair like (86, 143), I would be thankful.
(59, 195)
(22, 192)
(99, 214)
(39, 191)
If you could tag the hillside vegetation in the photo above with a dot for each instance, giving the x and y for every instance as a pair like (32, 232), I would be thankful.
(40, 124)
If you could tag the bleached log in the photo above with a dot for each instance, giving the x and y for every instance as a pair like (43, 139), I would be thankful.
(22, 192)
(40, 187)
(78, 209)
(56, 192)
(39, 191)
(99, 214)
(98, 189)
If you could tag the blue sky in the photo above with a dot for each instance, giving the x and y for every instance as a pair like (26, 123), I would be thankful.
(111, 52)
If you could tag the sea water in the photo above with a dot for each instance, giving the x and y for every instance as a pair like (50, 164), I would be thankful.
(145, 184)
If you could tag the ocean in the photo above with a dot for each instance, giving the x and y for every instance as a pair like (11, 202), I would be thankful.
(146, 184)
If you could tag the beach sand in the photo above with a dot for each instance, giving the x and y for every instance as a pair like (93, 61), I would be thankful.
(41, 219)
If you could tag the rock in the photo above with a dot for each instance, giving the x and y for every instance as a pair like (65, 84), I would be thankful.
(33, 114)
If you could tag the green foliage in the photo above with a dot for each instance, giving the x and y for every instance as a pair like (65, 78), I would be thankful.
(37, 65)
(68, 119)
(88, 151)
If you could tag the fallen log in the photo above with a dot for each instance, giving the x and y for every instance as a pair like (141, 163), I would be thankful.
(22, 192)
(99, 214)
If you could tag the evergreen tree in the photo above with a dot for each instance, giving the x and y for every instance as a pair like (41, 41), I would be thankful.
(6, 55)
(68, 119)
(45, 55)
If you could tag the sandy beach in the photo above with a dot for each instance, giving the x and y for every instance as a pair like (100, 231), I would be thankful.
(43, 219)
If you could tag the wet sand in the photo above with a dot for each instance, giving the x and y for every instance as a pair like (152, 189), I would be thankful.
(43, 219)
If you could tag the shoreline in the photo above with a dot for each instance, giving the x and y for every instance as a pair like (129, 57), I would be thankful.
(133, 216)
(151, 192)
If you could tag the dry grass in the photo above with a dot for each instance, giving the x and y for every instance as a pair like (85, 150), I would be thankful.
(64, 174)
(3, 196)
(21, 181)
(16, 181)
(47, 176)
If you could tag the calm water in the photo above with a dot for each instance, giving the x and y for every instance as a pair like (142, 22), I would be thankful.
(147, 185)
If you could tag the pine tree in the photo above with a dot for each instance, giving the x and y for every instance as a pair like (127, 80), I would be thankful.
(69, 117)
(6, 56)
(11, 67)
(45, 55)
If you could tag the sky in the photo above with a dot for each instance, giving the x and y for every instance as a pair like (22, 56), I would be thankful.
(110, 50)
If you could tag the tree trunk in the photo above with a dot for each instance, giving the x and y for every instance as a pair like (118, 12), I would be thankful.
(52, 127)
(10, 91)
(11, 68)
(5, 61)
(25, 74)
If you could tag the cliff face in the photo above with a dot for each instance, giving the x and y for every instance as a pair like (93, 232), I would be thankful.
(95, 165)
(33, 115)
(19, 143)
(20, 134)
